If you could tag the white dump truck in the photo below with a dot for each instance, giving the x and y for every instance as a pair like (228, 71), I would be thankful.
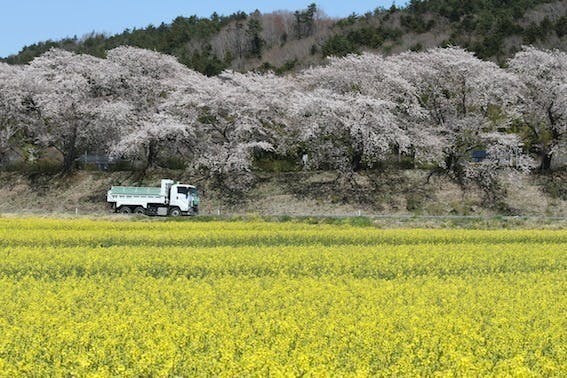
(171, 198)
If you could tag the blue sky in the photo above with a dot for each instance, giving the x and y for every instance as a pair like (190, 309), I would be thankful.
(23, 22)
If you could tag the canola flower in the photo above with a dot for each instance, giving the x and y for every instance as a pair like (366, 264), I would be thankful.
(131, 298)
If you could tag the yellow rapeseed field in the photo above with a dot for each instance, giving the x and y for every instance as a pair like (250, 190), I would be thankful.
(154, 298)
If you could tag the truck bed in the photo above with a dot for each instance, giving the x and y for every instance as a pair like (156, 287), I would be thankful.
(134, 196)
(135, 191)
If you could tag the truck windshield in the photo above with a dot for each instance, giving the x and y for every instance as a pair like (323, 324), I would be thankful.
(187, 191)
(195, 195)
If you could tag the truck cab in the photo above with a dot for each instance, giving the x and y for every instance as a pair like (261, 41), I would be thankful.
(184, 197)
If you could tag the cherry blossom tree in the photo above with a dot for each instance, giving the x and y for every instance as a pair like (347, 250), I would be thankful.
(504, 154)
(239, 118)
(72, 104)
(148, 77)
(544, 75)
(13, 110)
(345, 132)
(162, 131)
(220, 120)
(163, 95)
(379, 78)
(367, 74)
(464, 98)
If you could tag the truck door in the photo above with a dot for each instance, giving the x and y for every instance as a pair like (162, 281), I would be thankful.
(180, 198)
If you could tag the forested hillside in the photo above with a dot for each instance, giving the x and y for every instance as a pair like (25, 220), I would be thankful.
(286, 40)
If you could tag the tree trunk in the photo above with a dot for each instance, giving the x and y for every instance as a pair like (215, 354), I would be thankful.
(555, 136)
(546, 162)
(70, 152)
(152, 155)
(68, 160)
(356, 162)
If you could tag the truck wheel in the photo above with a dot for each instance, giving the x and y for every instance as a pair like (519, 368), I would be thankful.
(140, 210)
(125, 210)
(175, 212)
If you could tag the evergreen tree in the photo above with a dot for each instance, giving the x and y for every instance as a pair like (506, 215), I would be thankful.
(254, 34)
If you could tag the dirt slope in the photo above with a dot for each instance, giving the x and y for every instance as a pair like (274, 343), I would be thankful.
(298, 193)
